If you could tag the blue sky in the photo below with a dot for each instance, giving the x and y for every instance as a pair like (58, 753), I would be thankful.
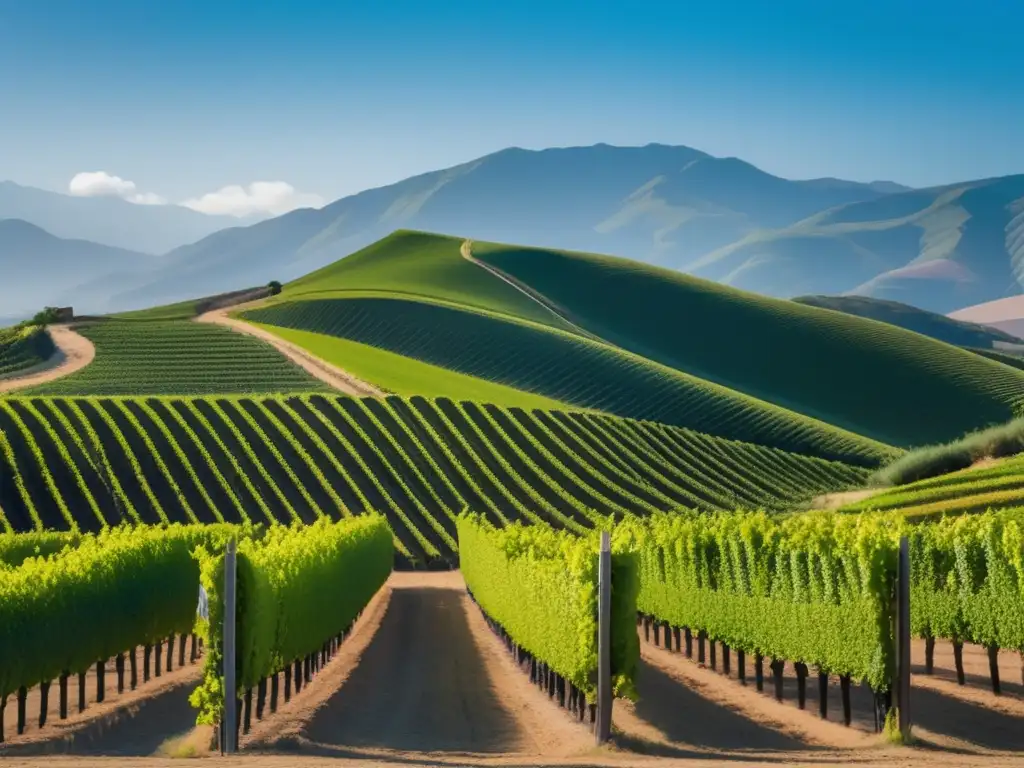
(183, 98)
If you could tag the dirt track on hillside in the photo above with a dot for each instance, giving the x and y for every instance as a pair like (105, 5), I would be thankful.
(327, 373)
(73, 353)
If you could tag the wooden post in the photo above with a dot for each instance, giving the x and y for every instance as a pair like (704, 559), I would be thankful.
(657, 632)
(603, 731)
(958, 660)
(230, 682)
(701, 636)
(759, 671)
(741, 666)
(193, 654)
(726, 664)
(712, 653)
(22, 697)
(81, 691)
(675, 633)
(993, 667)
(778, 666)
(823, 694)
(902, 687)
(801, 684)
(147, 652)
(133, 676)
(273, 692)
(929, 655)
(170, 653)
(844, 686)
(688, 637)
(158, 659)
(62, 684)
(119, 667)
(3, 708)
(247, 717)
(44, 701)
(261, 697)
(181, 651)
(101, 682)
(287, 683)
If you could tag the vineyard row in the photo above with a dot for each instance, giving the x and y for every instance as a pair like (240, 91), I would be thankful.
(84, 463)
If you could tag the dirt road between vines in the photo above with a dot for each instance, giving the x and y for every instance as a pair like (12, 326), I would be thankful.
(422, 681)
(329, 374)
(73, 353)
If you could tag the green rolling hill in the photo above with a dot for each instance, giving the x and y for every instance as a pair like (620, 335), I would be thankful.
(957, 332)
(457, 316)
(864, 376)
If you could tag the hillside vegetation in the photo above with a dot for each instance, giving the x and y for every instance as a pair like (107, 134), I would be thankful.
(85, 462)
(178, 357)
(864, 376)
(567, 368)
(23, 347)
(941, 327)
(1000, 486)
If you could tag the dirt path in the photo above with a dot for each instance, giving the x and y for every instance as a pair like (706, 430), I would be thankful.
(327, 373)
(73, 353)
(538, 298)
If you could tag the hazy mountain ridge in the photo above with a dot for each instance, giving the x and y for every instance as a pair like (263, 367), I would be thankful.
(40, 269)
(108, 220)
(663, 204)
(677, 207)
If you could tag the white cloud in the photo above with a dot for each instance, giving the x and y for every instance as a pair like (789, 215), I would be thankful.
(99, 184)
(269, 197)
(146, 198)
(103, 184)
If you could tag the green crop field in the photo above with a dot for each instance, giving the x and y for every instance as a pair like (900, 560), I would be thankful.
(1000, 486)
(868, 377)
(22, 348)
(82, 463)
(179, 357)
(399, 375)
(565, 367)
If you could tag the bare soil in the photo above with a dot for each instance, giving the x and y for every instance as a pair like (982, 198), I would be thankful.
(842, 498)
(73, 353)
(421, 680)
(130, 723)
(321, 369)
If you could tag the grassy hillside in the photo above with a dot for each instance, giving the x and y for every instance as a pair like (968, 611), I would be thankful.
(400, 375)
(868, 377)
(84, 462)
(971, 490)
(418, 265)
(940, 327)
(22, 348)
(179, 357)
(564, 367)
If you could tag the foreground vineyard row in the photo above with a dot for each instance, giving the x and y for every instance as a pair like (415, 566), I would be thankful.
(83, 463)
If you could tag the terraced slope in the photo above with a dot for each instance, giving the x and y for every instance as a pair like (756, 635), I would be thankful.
(178, 357)
(23, 348)
(564, 367)
(1000, 486)
(868, 377)
(86, 462)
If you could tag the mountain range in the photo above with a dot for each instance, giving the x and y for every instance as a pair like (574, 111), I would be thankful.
(724, 219)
